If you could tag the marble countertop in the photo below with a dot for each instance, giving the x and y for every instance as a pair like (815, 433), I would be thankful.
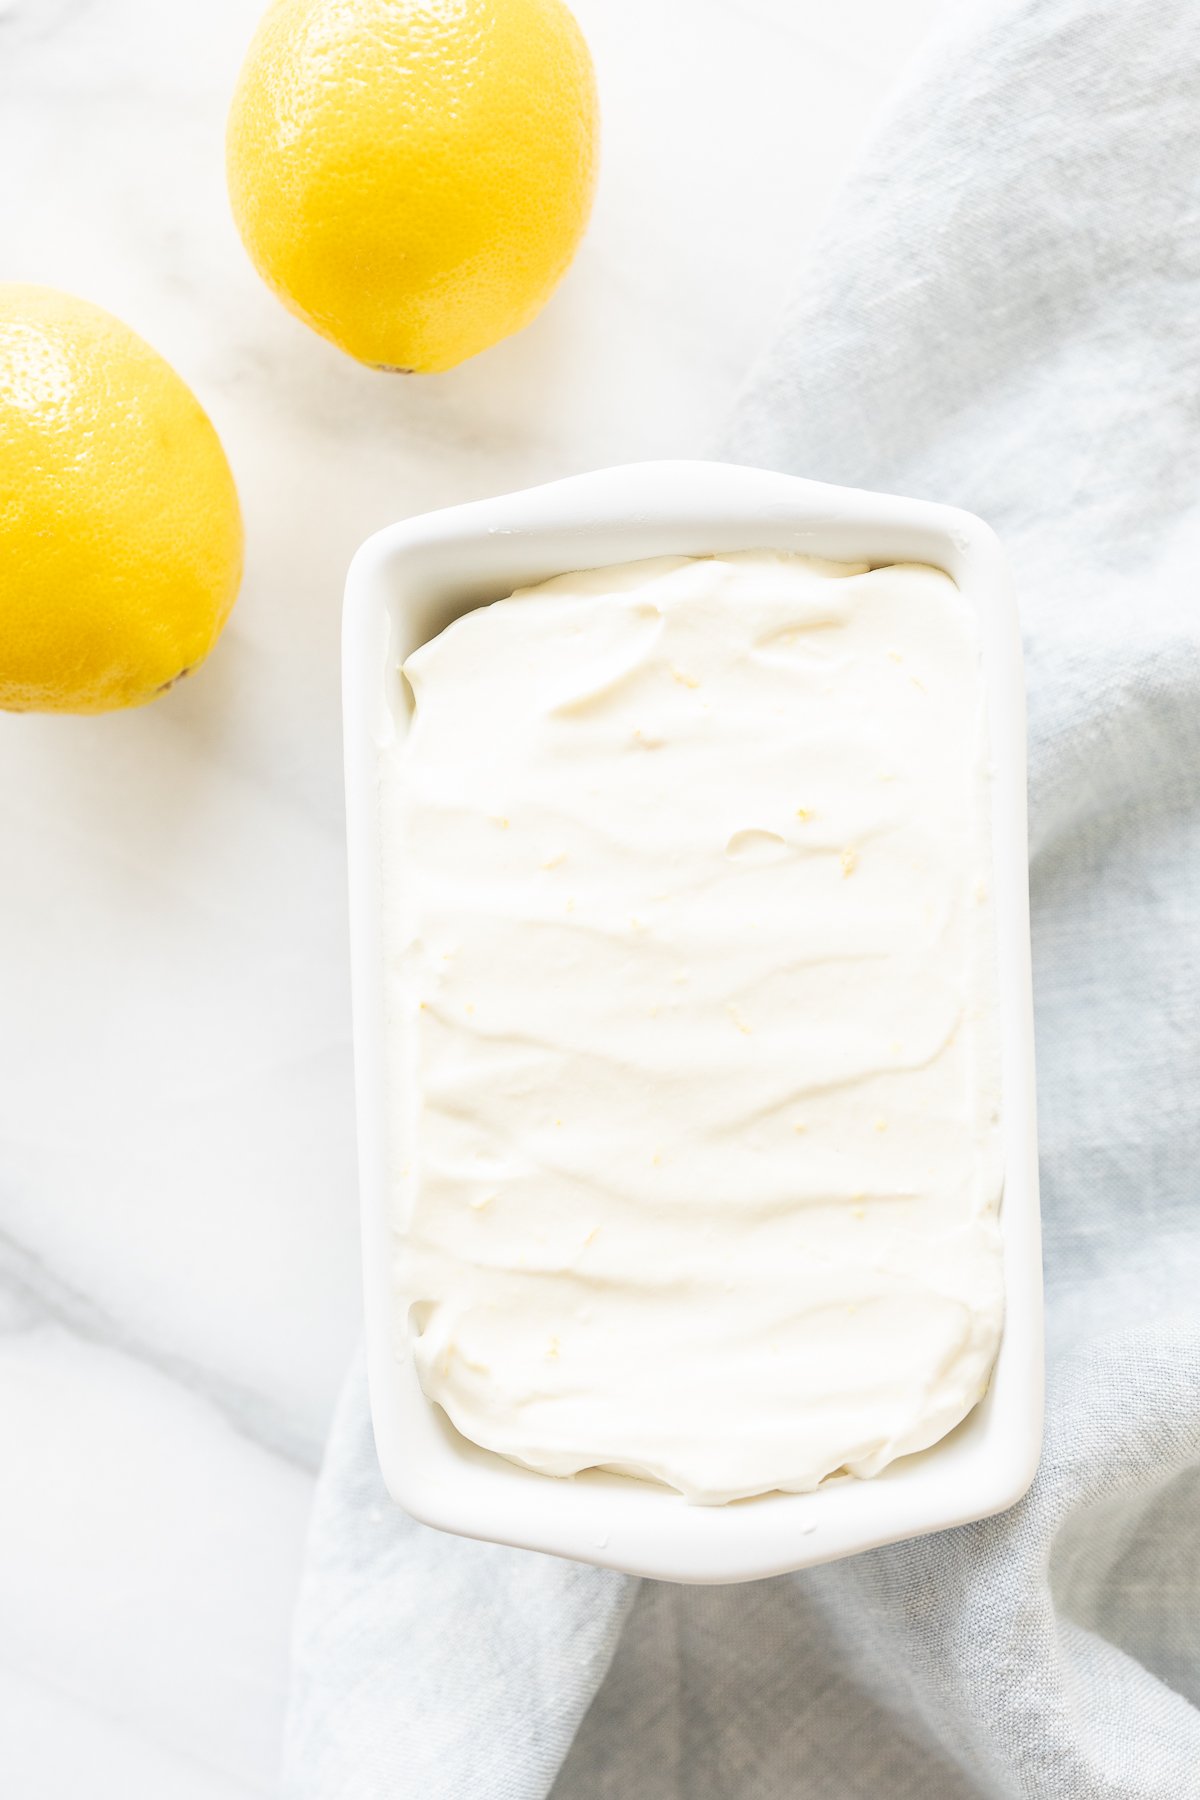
(178, 1236)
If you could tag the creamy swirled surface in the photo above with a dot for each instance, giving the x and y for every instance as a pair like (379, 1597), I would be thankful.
(692, 1003)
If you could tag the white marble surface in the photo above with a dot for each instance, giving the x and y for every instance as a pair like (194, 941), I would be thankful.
(178, 1254)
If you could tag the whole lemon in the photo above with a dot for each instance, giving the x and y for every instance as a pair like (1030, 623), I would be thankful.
(120, 534)
(412, 177)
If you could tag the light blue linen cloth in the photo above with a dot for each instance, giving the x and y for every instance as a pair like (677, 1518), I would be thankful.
(1005, 314)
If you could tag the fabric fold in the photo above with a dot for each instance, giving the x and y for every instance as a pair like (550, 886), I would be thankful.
(428, 1665)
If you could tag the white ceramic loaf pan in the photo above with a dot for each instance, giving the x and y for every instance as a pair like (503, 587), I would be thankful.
(406, 583)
